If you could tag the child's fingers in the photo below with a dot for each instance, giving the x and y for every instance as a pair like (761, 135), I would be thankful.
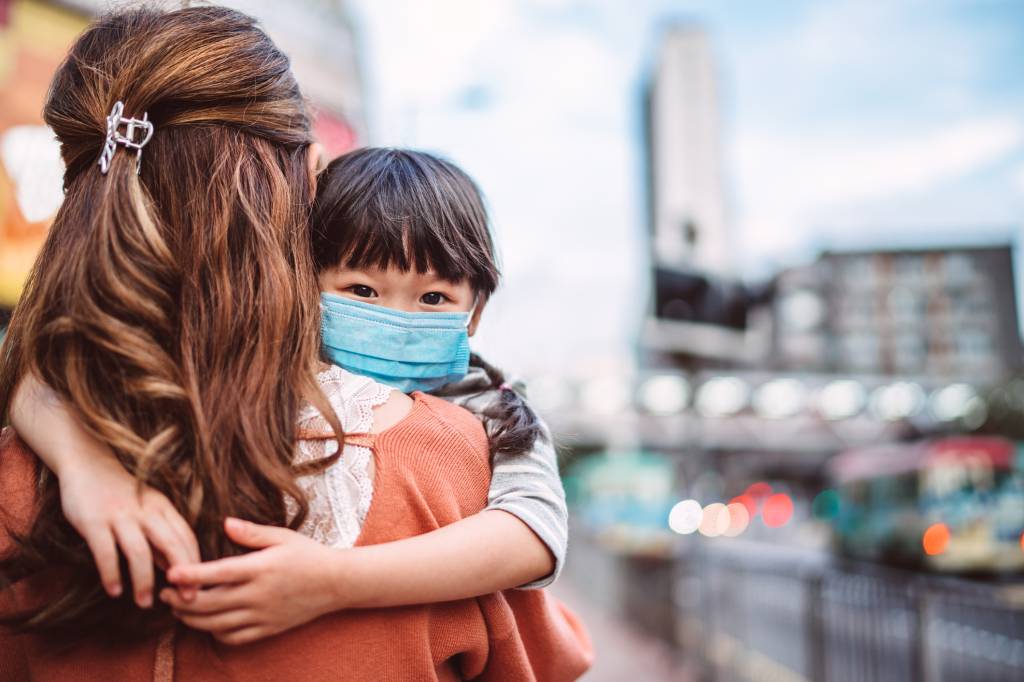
(104, 553)
(207, 601)
(216, 622)
(254, 535)
(243, 635)
(219, 572)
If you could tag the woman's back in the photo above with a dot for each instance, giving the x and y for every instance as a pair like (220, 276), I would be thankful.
(432, 469)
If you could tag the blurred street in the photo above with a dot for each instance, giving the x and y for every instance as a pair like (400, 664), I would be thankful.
(624, 651)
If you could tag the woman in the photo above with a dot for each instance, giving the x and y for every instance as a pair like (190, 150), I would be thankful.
(174, 308)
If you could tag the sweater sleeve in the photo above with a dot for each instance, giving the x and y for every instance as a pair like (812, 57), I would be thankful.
(528, 486)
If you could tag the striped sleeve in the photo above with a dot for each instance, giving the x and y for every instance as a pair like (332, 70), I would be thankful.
(528, 486)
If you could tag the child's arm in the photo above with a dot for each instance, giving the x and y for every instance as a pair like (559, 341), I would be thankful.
(527, 485)
(100, 499)
(293, 579)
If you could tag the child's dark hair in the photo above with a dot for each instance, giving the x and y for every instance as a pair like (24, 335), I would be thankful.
(380, 207)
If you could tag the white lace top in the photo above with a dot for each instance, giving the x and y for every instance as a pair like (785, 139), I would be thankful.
(340, 495)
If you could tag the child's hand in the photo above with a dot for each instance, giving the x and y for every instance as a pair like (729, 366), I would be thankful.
(288, 583)
(102, 501)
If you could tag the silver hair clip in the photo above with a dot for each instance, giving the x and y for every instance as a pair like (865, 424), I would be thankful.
(114, 136)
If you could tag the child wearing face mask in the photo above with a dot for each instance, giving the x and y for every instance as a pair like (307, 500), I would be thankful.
(406, 265)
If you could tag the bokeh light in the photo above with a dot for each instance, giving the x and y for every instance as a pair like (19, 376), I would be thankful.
(748, 501)
(722, 397)
(739, 519)
(777, 511)
(897, 401)
(664, 394)
(841, 399)
(759, 491)
(780, 398)
(685, 517)
(951, 402)
(936, 539)
(715, 521)
(826, 505)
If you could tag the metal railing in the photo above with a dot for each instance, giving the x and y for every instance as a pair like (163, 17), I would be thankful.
(775, 614)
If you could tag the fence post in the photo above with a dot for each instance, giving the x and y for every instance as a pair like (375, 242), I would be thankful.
(816, 639)
(919, 599)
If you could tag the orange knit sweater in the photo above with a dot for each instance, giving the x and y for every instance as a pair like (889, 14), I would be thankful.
(432, 468)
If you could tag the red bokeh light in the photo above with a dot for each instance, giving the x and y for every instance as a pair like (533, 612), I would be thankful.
(936, 539)
(748, 501)
(777, 510)
(759, 490)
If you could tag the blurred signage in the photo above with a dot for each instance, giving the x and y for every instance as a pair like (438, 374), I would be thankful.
(34, 37)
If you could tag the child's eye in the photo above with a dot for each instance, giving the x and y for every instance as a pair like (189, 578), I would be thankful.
(362, 291)
(434, 298)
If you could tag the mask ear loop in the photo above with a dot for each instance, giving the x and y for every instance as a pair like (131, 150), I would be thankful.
(472, 311)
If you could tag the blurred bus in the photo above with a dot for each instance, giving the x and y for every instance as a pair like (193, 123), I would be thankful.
(952, 505)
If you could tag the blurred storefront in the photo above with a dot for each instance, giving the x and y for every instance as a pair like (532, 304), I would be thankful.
(34, 37)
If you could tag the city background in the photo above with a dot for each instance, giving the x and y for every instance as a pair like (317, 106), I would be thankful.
(761, 275)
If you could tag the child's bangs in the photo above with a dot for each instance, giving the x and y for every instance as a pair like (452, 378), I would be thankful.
(388, 208)
(407, 243)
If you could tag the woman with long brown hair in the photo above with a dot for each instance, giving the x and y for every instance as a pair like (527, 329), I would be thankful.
(174, 303)
(174, 310)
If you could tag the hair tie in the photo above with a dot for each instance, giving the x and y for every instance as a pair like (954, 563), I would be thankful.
(114, 137)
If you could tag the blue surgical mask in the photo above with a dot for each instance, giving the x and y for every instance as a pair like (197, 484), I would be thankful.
(409, 351)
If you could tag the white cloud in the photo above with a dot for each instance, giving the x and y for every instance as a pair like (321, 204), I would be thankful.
(788, 180)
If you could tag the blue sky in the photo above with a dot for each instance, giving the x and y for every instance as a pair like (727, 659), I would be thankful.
(849, 122)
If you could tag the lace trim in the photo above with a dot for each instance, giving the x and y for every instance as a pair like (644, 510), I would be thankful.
(340, 496)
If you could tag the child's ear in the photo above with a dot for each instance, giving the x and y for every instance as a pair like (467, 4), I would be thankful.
(474, 320)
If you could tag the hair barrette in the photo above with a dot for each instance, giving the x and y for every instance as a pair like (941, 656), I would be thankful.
(115, 120)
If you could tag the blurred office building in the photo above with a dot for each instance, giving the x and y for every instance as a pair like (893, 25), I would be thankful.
(944, 313)
(699, 311)
(687, 196)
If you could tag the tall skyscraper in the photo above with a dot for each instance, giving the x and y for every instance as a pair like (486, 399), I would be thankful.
(687, 199)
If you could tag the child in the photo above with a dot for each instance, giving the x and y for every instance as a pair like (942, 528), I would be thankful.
(406, 267)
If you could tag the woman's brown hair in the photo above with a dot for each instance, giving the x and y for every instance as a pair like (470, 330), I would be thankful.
(174, 311)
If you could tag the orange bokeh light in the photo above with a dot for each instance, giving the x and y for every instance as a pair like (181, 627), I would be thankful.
(935, 539)
(748, 501)
(777, 511)
(715, 521)
(739, 519)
